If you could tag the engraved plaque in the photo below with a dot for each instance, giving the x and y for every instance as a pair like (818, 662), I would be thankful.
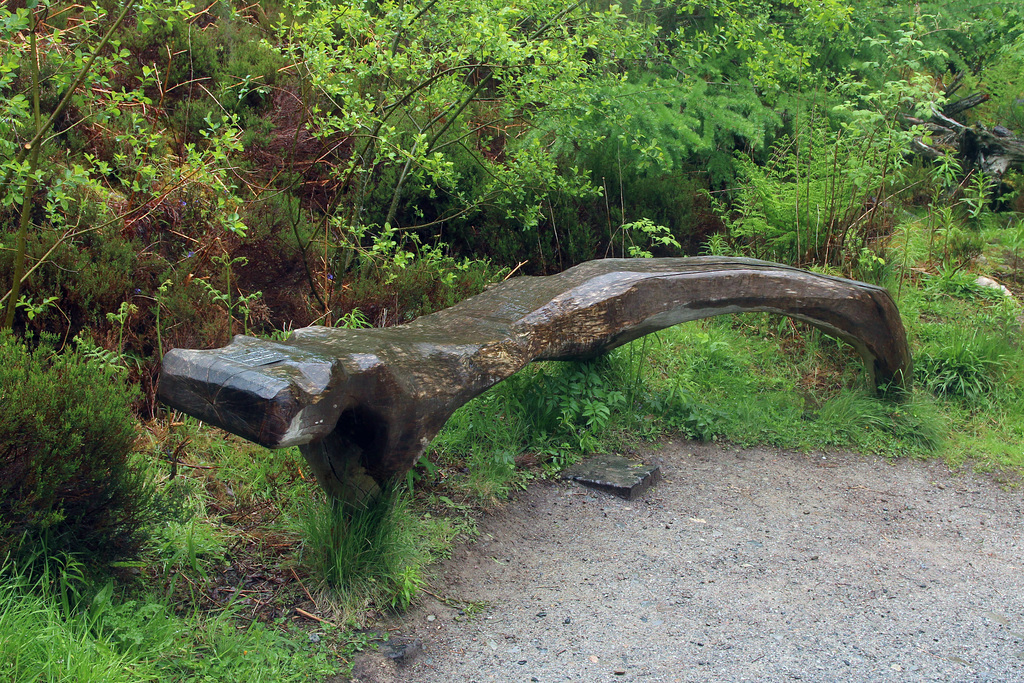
(253, 358)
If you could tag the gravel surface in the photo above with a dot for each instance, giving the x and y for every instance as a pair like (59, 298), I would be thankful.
(742, 564)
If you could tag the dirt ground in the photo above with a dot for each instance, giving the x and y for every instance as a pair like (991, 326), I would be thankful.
(742, 564)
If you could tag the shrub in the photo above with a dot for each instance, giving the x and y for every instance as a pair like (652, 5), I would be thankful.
(67, 479)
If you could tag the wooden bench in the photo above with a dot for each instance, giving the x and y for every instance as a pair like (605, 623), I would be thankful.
(362, 405)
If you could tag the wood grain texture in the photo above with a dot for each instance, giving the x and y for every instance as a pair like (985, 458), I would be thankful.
(363, 404)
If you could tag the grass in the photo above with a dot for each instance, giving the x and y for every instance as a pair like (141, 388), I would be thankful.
(365, 554)
(225, 586)
(253, 577)
(60, 627)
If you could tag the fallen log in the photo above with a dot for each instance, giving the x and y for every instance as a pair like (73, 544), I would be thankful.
(993, 152)
(952, 109)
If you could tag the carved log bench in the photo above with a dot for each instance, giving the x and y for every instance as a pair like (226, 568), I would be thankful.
(362, 405)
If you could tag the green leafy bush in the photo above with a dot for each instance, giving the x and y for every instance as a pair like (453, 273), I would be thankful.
(574, 402)
(392, 284)
(67, 479)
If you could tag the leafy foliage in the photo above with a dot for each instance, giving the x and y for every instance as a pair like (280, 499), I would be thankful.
(821, 197)
(417, 90)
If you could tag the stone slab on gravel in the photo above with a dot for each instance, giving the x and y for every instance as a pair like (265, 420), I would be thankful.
(615, 474)
(741, 565)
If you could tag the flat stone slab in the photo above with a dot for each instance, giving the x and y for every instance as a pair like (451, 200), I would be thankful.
(615, 474)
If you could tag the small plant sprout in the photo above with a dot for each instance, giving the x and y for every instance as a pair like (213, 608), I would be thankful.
(161, 291)
(644, 234)
(33, 309)
(124, 312)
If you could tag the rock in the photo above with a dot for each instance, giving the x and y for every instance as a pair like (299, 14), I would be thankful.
(400, 650)
(983, 281)
(615, 474)
(373, 667)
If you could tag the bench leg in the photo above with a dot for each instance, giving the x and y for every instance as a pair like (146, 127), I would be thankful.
(337, 464)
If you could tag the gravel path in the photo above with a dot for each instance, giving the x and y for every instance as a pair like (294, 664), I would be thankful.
(743, 564)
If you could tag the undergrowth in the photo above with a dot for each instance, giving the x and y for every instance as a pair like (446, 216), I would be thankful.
(257, 572)
(762, 379)
(750, 380)
(59, 626)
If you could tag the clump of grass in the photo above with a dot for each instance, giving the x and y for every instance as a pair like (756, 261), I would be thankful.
(365, 555)
(920, 423)
(965, 365)
(961, 283)
(39, 640)
(876, 425)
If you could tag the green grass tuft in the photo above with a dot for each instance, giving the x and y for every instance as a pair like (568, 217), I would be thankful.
(370, 555)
